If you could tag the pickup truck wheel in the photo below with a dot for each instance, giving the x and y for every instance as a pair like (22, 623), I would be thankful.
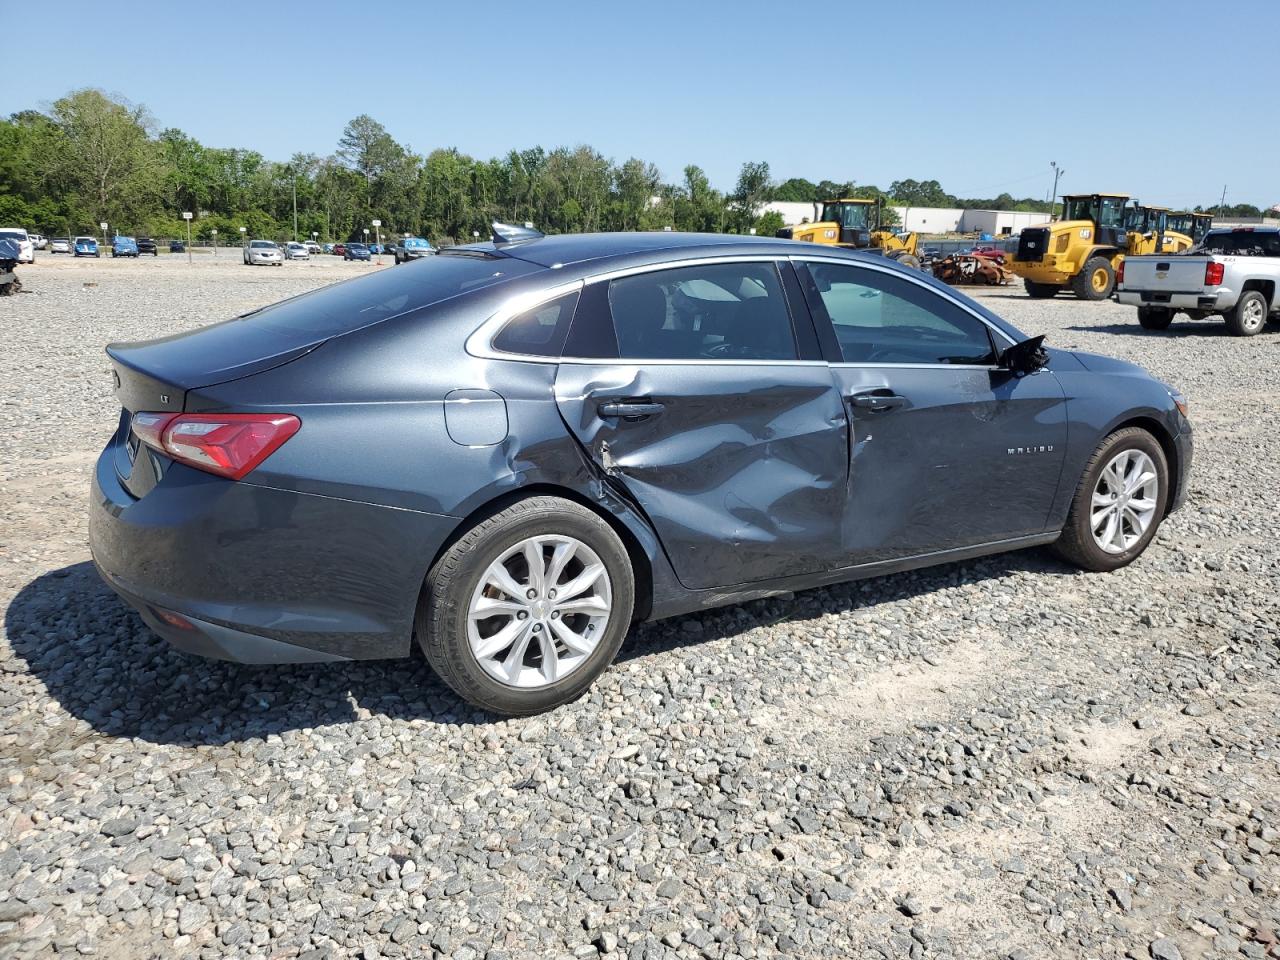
(1249, 316)
(1095, 281)
(1118, 504)
(1155, 318)
(1041, 291)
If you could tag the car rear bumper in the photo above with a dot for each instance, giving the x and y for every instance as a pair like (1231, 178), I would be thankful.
(256, 574)
(1189, 300)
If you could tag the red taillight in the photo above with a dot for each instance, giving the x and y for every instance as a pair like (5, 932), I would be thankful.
(1212, 273)
(1120, 273)
(227, 444)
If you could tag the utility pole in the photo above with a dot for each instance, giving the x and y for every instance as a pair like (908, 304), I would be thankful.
(293, 180)
(1223, 202)
(1057, 172)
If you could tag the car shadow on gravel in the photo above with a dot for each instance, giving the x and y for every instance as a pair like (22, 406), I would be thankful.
(1179, 328)
(102, 665)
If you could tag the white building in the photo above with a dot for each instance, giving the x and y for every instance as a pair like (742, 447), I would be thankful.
(928, 219)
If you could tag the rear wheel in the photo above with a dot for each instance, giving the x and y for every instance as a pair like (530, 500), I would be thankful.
(1249, 316)
(1095, 281)
(1155, 318)
(528, 607)
(908, 260)
(1041, 291)
(1118, 504)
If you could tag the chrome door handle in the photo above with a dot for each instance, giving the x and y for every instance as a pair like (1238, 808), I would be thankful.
(628, 409)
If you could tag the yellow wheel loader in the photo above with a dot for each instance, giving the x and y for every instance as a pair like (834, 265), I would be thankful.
(1079, 253)
(1150, 232)
(1193, 225)
(857, 223)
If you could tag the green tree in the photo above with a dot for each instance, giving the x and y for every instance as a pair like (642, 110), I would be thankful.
(109, 163)
(753, 190)
(796, 190)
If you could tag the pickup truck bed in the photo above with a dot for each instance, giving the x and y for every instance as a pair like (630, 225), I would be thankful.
(1232, 273)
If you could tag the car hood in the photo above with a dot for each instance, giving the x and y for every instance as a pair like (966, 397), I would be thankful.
(1098, 363)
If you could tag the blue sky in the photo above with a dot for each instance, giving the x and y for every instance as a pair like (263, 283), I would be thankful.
(1124, 96)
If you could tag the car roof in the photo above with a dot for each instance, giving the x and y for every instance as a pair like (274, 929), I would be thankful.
(561, 249)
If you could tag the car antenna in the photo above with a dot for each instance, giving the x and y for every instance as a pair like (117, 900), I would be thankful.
(509, 233)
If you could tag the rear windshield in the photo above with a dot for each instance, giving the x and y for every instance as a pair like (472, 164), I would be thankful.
(13, 234)
(348, 306)
(1243, 243)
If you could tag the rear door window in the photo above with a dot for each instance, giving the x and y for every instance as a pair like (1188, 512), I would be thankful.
(724, 311)
(881, 318)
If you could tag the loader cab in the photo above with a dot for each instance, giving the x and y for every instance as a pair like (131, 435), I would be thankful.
(1106, 211)
(1193, 225)
(853, 218)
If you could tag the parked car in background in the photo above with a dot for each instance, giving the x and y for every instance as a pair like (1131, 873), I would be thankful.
(263, 252)
(27, 249)
(355, 251)
(339, 249)
(517, 513)
(1234, 273)
(124, 247)
(312, 247)
(413, 248)
(296, 251)
(177, 246)
(326, 248)
(85, 247)
(9, 253)
(147, 245)
(60, 245)
(39, 241)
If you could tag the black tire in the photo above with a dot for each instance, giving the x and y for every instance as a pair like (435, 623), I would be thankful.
(1249, 316)
(1041, 291)
(1077, 545)
(441, 622)
(1155, 318)
(1095, 281)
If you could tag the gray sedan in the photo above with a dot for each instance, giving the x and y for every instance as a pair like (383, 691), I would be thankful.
(510, 452)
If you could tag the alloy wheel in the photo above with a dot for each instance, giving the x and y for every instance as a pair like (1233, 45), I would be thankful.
(1255, 314)
(1124, 500)
(539, 611)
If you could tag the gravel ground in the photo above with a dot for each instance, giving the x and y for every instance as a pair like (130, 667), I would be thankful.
(1001, 758)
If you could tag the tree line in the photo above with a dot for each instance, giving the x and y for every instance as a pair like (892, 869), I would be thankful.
(91, 158)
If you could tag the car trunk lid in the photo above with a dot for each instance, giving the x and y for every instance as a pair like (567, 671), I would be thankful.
(157, 375)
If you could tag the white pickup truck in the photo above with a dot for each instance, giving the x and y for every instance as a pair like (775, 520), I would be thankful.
(1232, 273)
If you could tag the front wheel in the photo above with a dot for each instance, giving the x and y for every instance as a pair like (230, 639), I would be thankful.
(1155, 318)
(908, 260)
(1118, 504)
(1041, 291)
(528, 607)
(1095, 281)
(1249, 315)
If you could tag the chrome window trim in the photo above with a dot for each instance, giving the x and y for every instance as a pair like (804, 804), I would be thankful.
(856, 365)
(877, 268)
(480, 343)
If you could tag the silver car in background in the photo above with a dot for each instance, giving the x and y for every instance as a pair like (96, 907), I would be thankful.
(263, 251)
(296, 251)
(60, 245)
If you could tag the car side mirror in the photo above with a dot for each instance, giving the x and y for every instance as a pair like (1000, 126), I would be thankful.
(1025, 357)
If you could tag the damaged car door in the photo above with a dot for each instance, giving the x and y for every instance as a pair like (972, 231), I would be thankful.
(949, 448)
(698, 398)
